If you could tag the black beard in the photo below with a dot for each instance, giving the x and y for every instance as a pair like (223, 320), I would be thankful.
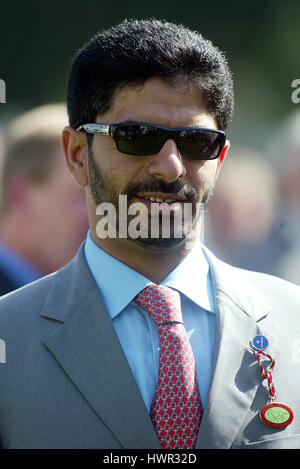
(102, 191)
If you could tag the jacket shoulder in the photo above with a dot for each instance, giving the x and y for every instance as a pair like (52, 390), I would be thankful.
(270, 283)
(25, 299)
(53, 295)
(277, 291)
(253, 289)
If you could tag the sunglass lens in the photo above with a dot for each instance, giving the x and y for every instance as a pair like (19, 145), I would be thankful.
(140, 140)
(200, 144)
(144, 140)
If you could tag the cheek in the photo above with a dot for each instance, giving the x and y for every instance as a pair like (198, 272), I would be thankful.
(201, 174)
(120, 170)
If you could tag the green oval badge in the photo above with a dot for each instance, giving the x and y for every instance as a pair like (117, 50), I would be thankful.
(276, 415)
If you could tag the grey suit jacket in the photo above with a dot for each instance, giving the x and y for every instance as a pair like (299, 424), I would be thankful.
(66, 383)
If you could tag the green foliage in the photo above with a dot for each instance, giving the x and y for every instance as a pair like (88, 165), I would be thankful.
(260, 39)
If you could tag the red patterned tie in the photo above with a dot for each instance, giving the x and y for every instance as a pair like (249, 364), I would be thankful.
(176, 410)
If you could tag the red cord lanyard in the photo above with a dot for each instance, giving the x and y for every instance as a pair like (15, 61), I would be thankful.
(274, 414)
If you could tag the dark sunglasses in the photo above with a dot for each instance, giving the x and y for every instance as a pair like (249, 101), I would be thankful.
(139, 139)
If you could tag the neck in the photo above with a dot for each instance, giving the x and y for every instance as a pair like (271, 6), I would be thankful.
(154, 264)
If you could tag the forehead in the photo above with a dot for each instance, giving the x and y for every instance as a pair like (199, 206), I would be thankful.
(159, 102)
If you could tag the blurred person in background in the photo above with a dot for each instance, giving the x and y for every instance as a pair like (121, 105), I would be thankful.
(1, 150)
(43, 212)
(286, 153)
(242, 223)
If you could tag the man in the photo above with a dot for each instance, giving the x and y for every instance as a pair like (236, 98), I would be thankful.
(144, 341)
(43, 213)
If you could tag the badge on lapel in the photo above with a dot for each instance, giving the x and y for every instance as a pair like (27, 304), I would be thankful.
(274, 414)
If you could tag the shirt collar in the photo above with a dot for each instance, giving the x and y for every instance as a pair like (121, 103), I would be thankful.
(120, 284)
(192, 278)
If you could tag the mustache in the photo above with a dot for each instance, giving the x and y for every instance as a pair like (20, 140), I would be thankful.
(177, 187)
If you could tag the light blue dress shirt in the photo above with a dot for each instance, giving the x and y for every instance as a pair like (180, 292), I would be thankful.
(136, 330)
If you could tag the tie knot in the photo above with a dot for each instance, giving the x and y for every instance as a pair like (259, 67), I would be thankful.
(161, 303)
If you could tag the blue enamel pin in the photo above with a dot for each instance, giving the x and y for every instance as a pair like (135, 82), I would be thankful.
(260, 342)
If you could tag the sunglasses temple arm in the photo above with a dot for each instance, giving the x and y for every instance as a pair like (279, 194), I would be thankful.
(100, 129)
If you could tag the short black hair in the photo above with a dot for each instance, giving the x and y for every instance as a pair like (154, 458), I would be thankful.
(136, 50)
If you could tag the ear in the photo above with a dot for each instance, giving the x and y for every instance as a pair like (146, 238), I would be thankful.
(75, 148)
(223, 154)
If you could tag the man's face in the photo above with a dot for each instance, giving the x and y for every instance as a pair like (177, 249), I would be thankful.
(164, 175)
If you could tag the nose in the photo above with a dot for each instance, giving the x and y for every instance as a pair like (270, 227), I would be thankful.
(167, 165)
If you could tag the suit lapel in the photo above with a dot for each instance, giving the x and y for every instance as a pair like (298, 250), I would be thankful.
(87, 348)
(235, 379)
